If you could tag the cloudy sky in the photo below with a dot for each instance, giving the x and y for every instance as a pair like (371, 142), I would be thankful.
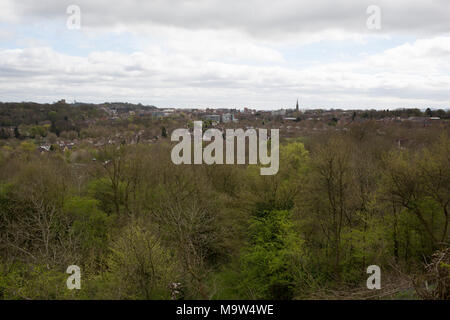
(234, 53)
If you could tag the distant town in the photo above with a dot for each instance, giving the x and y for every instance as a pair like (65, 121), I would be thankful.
(63, 126)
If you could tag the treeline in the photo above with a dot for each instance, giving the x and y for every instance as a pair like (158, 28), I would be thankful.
(28, 113)
(404, 113)
(32, 120)
(136, 224)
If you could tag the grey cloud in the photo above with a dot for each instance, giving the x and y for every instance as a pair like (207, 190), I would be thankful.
(255, 17)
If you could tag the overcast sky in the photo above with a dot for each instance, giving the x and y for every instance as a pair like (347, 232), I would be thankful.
(234, 53)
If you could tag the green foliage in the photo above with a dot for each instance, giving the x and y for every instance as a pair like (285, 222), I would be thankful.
(101, 190)
(28, 146)
(38, 131)
(89, 224)
(33, 282)
(267, 264)
(164, 132)
(135, 223)
(140, 268)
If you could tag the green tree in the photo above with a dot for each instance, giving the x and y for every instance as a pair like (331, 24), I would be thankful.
(140, 267)
(16, 133)
(164, 132)
(269, 262)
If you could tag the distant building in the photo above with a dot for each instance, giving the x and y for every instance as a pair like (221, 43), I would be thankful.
(158, 114)
(418, 119)
(45, 148)
(227, 117)
(281, 112)
(163, 113)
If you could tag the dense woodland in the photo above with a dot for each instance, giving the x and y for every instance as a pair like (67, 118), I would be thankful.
(136, 224)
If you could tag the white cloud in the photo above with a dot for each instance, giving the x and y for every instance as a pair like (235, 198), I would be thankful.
(416, 73)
